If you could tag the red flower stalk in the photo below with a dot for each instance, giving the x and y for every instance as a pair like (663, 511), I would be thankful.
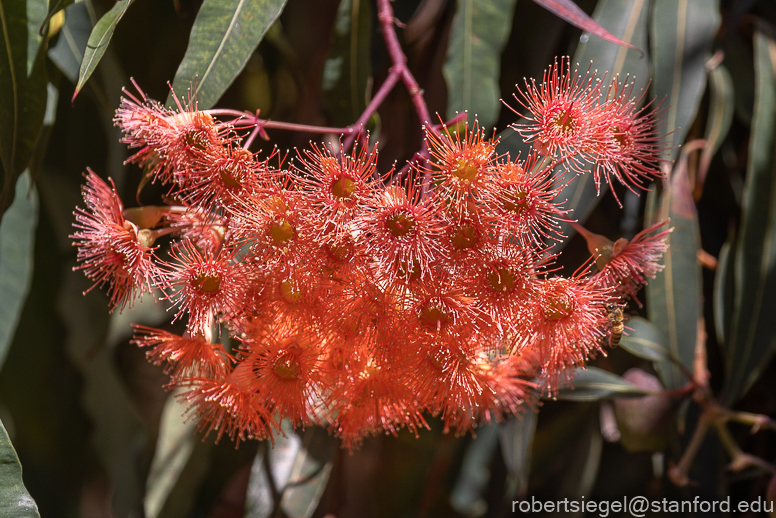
(627, 142)
(112, 250)
(185, 355)
(205, 284)
(626, 265)
(562, 112)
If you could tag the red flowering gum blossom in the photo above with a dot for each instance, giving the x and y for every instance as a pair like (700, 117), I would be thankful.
(112, 251)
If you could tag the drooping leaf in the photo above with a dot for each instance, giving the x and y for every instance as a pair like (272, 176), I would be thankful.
(721, 108)
(645, 341)
(723, 293)
(98, 41)
(592, 384)
(674, 295)
(69, 51)
(471, 70)
(15, 501)
(22, 88)
(54, 7)
(291, 476)
(569, 11)
(17, 247)
(752, 341)
(224, 35)
(516, 437)
(468, 490)
(174, 446)
(347, 69)
(682, 32)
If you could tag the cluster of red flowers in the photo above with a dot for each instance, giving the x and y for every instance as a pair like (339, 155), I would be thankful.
(362, 301)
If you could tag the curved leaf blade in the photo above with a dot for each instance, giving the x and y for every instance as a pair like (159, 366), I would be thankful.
(569, 11)
(224, 35)
(17, 247)
(15, 501)
(593, 384)
(721, 108)
(682, 32)
(645, 341)
(98, 42)
(347, 69)
(472, 68)
(723, 294)
(22, 89)
(516, 437)
(753, 341)
(674, 295)
(69, 51)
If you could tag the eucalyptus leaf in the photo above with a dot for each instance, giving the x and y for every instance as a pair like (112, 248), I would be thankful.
(15, 501)
(69, 51)
(224, 35)
(752, 341)
(467, 496)
(22, 88)
(17, 247)
(472, 67)
(347, 69)
(723, 294)
(98, 42)
(292, 475)
(645, 341)
(682, 32)
(593, 384)
(674, 295)
(722, 105)
(517, 436)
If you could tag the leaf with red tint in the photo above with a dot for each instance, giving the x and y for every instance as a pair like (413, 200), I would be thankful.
(569, 11)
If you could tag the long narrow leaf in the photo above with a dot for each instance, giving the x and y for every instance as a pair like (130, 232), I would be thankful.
(22, 89)
(15, 501)
(753, 341)
(98, 42)
(682, 32)
(480, 31)
(224, 35)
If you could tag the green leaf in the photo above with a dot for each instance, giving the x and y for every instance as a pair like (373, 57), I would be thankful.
(15, 501)
(17, 247)
(752, 340)
(721, 108)
(645, 341)
(469, 489)
(54, 8)
(98, 42)
(224, 35)
(723, 294)
(682, 32)
(293, 474)
(473, 64)
(69, 51)
(22, 88)
(592, 384)
(674, 295)
(517, 437)
(174, 446)
(347, 69)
